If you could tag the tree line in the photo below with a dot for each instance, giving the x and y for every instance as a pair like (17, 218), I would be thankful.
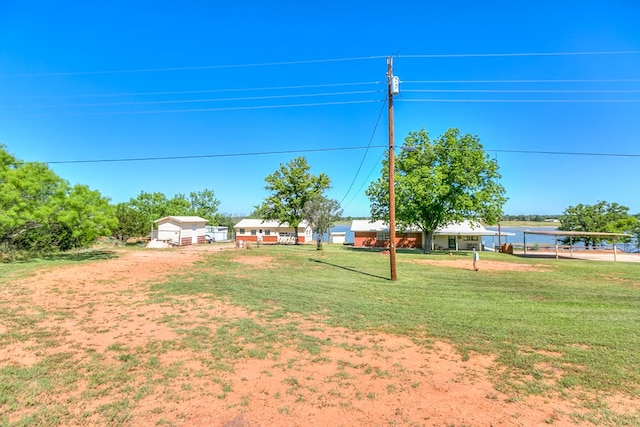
(437, 181)
(40, 212)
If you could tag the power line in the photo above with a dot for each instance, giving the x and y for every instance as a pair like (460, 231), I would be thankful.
(195, 110)
(198, 68)
(184, 101)
(485, 55)
(315, 61)
(520, 91)
(192, 92)
(375, 165)
(566, 153)
(595, 101)
(527, 81)
(375, 128)
(206, 156)
(315, 150)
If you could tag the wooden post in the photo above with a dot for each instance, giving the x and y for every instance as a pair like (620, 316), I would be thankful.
(392, 190)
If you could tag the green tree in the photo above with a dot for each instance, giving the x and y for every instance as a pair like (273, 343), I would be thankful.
(148, 207)
(41, 211)
(321, 213)
(131, 223)
(437, 182)
(291, 187)
(602, 217)
(205, 205)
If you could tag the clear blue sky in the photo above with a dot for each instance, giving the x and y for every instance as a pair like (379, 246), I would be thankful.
(122, 80)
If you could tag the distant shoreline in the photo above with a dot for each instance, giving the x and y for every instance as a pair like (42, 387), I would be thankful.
(502, 224)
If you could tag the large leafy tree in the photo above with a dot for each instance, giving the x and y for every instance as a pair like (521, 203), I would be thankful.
(131, 223)
(145, 208)
(437, 182)
(601, 217)
(291, 187)
(204, 204)
(41, 211)
(321, 213)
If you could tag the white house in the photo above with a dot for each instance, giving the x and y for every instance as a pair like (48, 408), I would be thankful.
(464, 235)
(182, 230)
(249, 229)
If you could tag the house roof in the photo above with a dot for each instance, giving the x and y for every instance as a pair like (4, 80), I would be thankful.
(183, 219)
(465, 227)
(367, 225)
(261, 223)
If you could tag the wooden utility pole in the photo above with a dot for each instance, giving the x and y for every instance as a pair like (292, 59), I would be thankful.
(392, 191)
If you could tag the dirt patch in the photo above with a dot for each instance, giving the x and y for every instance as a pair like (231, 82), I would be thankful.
(256, 261)
(484, 265)
(104, 314)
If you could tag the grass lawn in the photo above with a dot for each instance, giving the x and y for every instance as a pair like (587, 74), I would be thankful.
(579, 317)
(567, 328)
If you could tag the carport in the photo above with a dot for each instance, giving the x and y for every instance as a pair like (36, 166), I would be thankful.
(571, 234)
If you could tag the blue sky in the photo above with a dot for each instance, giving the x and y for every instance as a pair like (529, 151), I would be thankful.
(226, 81)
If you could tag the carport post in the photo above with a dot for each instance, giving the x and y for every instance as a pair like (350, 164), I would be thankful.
(556, 247)
(614, 249)
(524, 237)
(571, 246)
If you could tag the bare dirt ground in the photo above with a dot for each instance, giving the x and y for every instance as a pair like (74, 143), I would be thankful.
(357, 379)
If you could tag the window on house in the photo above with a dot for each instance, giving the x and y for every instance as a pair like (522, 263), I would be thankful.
(267, 232)
(253, 232)
(242, 231)
(382, 235)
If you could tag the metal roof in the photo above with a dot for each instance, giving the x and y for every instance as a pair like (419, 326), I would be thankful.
(257, 223)
(576, 233)
(183, 219)
(455, 228)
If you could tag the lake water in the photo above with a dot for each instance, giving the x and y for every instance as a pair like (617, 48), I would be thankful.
(489, 241)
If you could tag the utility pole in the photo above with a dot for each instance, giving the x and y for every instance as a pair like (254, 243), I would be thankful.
(392, 89)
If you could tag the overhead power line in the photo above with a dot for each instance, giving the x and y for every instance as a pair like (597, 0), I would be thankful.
(195, 110)
(484, 55)
(205, 156)
(315, 61)
(315, 150)
(565, 153)
(190, 101)
(375, 128)
(196, 68)
(519, 91)
(594, 101)
(526, 81)
(194, 92)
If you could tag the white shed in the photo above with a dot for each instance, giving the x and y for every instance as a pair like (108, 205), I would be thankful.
(182, 230)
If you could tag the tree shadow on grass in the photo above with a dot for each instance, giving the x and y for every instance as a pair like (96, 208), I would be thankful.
(353, 270)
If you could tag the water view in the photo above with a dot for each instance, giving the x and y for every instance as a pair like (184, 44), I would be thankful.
(491, 242)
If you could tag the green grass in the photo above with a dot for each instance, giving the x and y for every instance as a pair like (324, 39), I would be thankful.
(578, 316)
(570, 329)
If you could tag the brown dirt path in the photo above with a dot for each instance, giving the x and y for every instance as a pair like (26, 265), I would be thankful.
(103, 312)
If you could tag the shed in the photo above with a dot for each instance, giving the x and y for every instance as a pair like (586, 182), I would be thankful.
(338, 237)
(182, 230)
